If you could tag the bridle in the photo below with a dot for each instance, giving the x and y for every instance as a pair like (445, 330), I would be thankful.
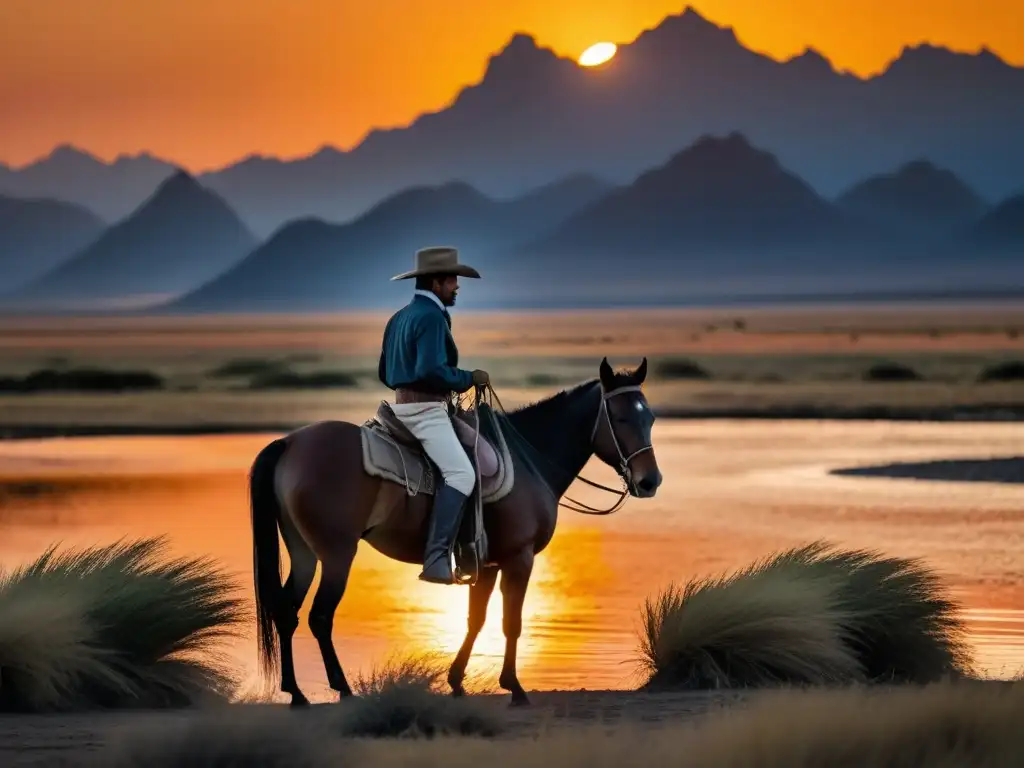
(623, 470)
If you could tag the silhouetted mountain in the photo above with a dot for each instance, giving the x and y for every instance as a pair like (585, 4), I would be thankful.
(718, 194)
(548, 206)
(716, 208)
(179, 238)
(1002, 227)
(36, 235)
(536, 117)
(310, 264)
(917, 199)
(721, 217)
(112, 190)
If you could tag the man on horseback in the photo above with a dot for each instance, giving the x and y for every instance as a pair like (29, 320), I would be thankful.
(419, 362)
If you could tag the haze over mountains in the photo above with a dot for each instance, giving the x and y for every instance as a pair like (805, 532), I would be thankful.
(37, 235)
(316, 265)
(535, 118)
(721, 217)
(182, 236)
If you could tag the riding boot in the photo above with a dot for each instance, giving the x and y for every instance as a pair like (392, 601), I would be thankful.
(444, 526)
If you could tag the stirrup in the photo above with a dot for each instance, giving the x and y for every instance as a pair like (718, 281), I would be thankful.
(470, 554)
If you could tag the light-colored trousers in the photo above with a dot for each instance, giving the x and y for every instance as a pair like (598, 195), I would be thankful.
(431, 425)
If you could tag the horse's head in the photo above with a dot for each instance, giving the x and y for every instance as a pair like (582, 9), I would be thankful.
(622, 432)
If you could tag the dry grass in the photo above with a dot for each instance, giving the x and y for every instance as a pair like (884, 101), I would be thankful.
(113, 627)
(941, 726)
(245, 735)
(406, 697)
(807, 616)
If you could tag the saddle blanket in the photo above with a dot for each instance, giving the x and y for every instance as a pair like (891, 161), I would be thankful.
(397, 462)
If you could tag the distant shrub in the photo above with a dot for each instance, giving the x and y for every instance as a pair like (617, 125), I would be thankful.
(542, 380)
(680, 368)
(1012, 370)
(82, 380)
(739, 324)
(303, 357)
(891, 372)
(244, 367)
(293, 380)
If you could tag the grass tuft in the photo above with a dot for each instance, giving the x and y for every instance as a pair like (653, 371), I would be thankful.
(114, 627)
(406, 697)
(810, 615)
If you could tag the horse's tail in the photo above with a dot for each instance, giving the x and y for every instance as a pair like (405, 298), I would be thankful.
(266, 549)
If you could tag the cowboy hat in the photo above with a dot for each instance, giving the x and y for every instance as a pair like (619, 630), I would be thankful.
(438, 260)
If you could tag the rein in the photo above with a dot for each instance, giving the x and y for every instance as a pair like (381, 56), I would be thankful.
(622, 469)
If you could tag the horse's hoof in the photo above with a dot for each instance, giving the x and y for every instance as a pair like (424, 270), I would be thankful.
(458, 692)
(299, 701)
(519, 700)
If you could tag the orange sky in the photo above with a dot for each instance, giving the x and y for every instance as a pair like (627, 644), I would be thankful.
(205, 82)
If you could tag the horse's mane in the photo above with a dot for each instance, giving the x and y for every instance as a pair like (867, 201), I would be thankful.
(526, 429)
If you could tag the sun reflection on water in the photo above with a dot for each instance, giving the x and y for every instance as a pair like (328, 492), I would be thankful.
(558, 612)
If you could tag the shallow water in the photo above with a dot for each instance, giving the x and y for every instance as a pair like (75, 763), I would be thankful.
(733, 492)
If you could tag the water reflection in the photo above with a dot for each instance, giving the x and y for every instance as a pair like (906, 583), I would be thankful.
(732, 493)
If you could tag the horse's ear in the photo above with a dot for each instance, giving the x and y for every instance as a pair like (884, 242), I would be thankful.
(607, 374)
(641, 372)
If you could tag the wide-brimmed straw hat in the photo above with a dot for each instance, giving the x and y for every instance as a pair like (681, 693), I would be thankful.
(438, 260)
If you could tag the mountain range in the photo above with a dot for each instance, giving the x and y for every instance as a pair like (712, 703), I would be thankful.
(37, 235)
(182, 236)
(315, 265)
(720, 217)
(535, 118)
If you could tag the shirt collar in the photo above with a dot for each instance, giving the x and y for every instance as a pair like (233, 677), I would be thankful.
(432, 296)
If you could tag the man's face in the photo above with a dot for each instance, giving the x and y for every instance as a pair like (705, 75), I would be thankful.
(447, 290)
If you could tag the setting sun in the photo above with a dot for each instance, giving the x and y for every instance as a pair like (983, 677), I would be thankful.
(596, 54)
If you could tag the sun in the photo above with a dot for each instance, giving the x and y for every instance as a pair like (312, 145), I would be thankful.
(596, 54)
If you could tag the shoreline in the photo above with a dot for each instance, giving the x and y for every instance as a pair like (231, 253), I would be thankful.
(48, 739)
(1011, 413)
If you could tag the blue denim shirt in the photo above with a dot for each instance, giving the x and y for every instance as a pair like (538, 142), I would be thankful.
(419, 351)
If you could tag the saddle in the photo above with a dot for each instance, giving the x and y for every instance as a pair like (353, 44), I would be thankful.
(392, 453)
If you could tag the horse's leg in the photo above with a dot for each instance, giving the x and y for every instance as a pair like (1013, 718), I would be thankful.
(479, 596)
(336, 565)
(300, 577)
(515, 576)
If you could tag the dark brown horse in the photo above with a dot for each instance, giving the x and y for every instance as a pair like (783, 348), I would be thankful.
(311, 485)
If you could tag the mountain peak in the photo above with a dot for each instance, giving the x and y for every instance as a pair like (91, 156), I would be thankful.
(179, 182)
(919, 193)
(521, 57)
(733, 145)
(926, 60)
(814, 61)
(68, 156)
(687, 30)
